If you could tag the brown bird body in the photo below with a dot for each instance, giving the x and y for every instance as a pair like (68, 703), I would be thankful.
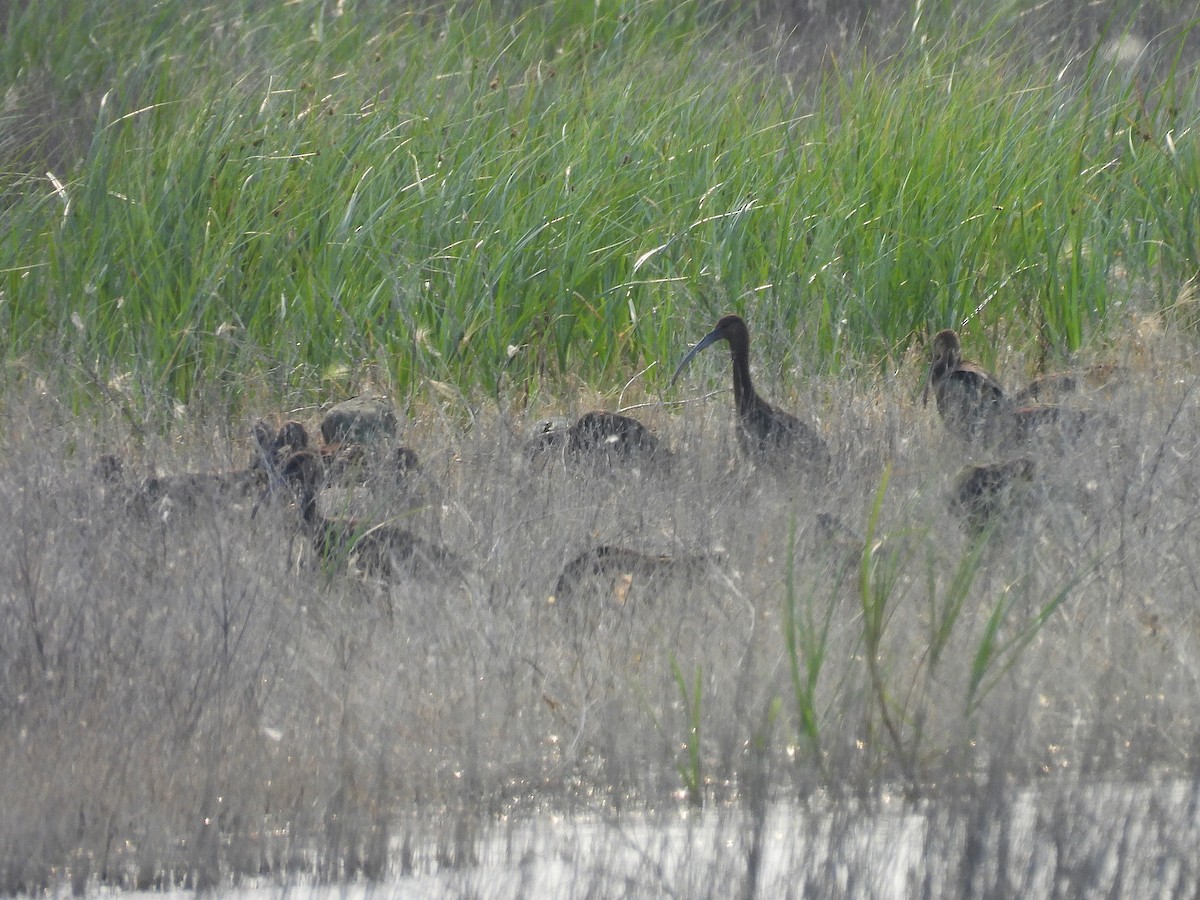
(601, 436)
(1042, 422)
(619, 574)
(984, 494)
(611, 433)
(383, 549)
(188, 489)
(262, 455)
(108, 469)
(339, 461)
(970, 400)
(160, 496)
(764, 433)
(973, 406)
(1055, 384)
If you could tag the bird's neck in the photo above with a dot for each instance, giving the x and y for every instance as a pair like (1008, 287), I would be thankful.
(308, 509)
(941, 368)
(744, 398)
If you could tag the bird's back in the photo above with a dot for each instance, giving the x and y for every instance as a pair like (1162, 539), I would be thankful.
(772, 435)
(969, 400)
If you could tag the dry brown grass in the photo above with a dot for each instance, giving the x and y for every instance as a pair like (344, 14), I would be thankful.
(191, 698)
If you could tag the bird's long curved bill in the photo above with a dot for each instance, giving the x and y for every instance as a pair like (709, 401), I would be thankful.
(925, 393)
(705, 341)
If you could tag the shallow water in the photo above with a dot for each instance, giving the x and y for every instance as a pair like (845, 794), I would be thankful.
(1053, 839)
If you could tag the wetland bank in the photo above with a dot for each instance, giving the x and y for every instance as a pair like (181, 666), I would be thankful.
(497, 216)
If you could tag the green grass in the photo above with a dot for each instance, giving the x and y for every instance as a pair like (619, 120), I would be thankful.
(279, 193)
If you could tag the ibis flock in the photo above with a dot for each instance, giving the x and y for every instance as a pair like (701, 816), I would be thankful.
(975, 410)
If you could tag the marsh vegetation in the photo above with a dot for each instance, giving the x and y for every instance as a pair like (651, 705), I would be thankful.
(505, 213)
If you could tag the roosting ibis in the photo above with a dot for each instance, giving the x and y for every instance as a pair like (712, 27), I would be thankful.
(263, 454)
(383, 549)
(1045, 422)
(1053, 385)
(108, 469)
(185, 490)
(973, 406)
(985, 494)
(600, 436)
(161, 495)
(339, 460)
(188, 489)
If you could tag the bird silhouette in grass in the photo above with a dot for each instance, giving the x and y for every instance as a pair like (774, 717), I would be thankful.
(384, 549)
(765, 434)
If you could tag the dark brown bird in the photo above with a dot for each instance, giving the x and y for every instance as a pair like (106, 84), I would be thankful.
(1044, 424)
(293, 436)
(617, 571)
(343, 460)
(764, 433)
(385, 550)
(404, 460)
(609, 432)
(1055, 384)
(191, 488)
(969, 399)
(187, 490)
(974, 406)
(600, 435)
(985, 494)
(109, 470)
(109, 483)
(272, 447)
(262, 455)
(161, 495)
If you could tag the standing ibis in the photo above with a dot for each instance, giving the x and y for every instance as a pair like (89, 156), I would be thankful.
(973, 406)
(764, 433)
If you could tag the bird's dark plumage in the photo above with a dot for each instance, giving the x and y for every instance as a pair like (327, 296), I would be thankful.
(969, 399)
(973, 406)
(983, 494)
(383, 550)
(764, 433)
(600, 436)
(341, 462)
